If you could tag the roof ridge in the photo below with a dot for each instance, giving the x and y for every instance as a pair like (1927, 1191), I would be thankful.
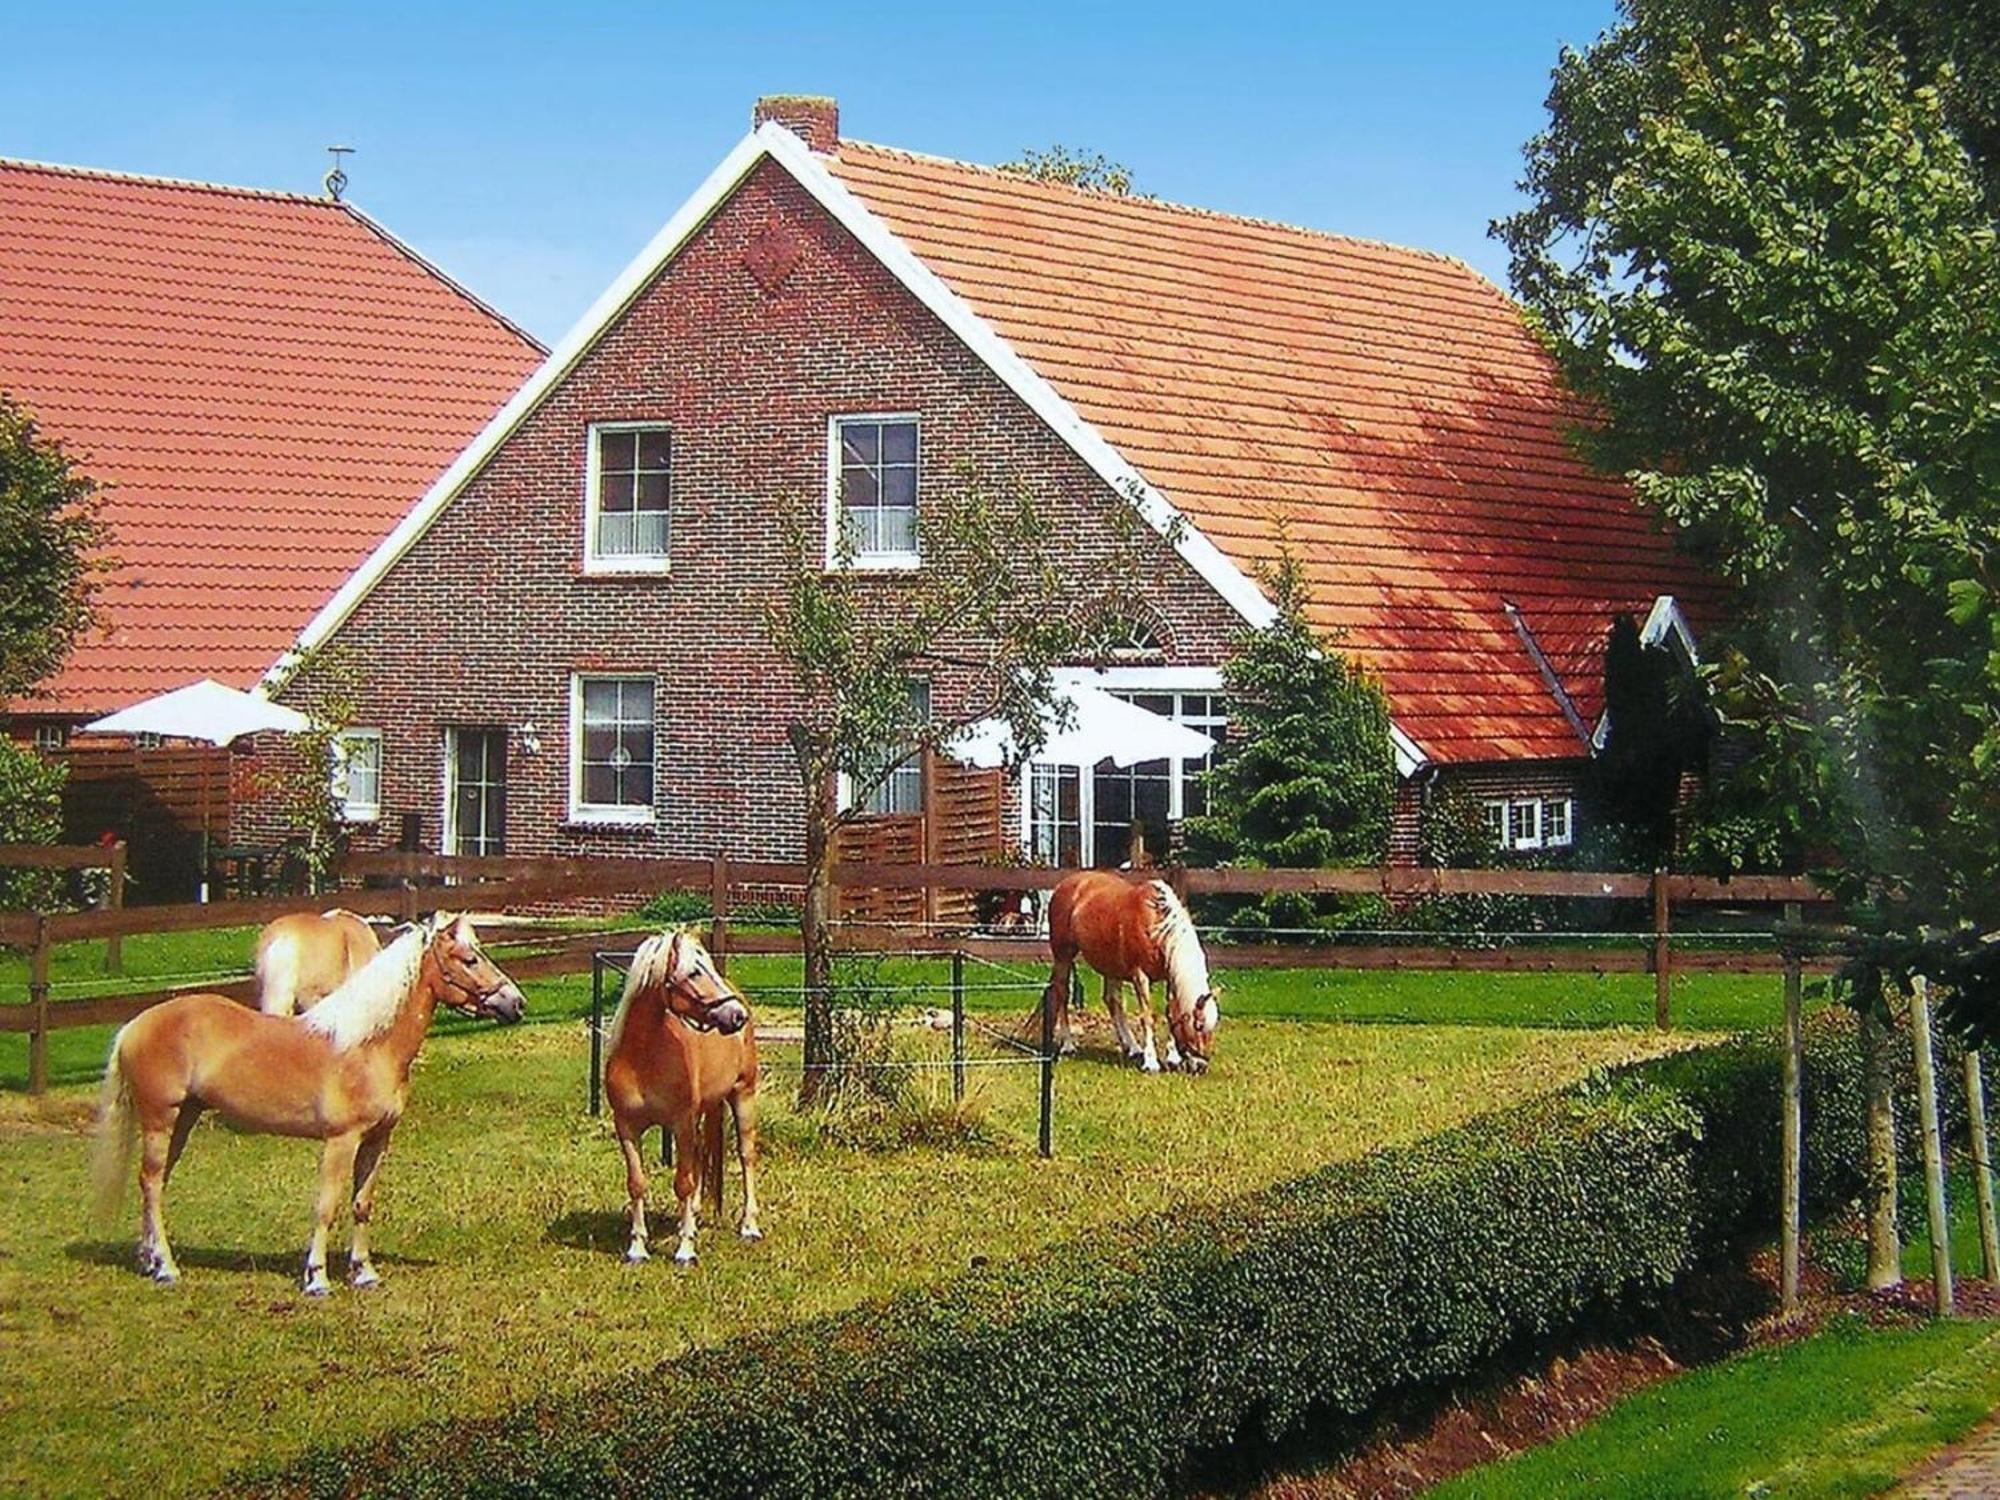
(148, 179)
(1174, 206)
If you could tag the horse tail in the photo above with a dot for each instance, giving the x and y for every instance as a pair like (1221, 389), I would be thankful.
(711, 1158)
(117, 1128)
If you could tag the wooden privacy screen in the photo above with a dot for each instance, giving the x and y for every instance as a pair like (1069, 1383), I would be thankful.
(960, 825)
(154, 800)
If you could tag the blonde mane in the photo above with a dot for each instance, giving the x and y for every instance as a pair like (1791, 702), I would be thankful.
(1187, 965)
(650, 968)
(371, 999)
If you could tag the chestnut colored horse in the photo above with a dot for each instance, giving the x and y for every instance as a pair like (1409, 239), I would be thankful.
(340, 1075)
(1135, 932)
(303, 958)
(682, 1046)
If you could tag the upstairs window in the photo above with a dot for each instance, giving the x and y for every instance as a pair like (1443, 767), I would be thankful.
(874, 509)
(630, 485)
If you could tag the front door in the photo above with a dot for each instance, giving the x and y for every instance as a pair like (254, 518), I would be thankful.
(475, 791)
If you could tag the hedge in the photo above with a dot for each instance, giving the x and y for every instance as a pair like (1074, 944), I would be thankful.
(1106, 1368)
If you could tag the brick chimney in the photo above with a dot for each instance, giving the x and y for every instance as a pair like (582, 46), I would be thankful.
(813, 118)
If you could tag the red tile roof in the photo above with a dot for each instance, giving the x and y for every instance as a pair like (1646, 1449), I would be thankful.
(267, 382)
(1392, 404)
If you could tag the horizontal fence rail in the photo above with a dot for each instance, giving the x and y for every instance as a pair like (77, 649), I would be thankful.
(405, 886)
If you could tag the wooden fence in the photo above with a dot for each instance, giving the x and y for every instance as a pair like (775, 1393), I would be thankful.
(158, 801)
(503, 883)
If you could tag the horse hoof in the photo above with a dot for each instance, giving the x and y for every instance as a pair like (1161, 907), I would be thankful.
(165, 1276)
(751, 1233)
(637, 1255)
(1149, 1065)
(685, 1256)
(316, 1286)
(365, 1278)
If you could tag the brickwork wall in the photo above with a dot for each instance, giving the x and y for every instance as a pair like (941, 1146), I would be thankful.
(1545, 779)
(487, 617)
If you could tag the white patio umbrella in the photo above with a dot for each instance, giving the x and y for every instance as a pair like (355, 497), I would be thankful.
(1101, 728)
(205, 710)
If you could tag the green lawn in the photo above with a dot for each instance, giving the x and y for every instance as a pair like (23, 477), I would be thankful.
(1701, 1002)
(501, 1224)
(1845, 1412)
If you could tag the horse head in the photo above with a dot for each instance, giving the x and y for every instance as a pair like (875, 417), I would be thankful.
(472, 983)
(1194, 1024)
(696, 991)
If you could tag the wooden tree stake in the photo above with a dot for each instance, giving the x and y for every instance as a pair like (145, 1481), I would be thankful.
(1663, 963)
(1791, 1219)
(1885, 1239)
(1982, 1167)
(1927, 1114)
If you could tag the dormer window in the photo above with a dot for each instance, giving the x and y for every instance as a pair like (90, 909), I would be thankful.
(629, 498)
(872, 511)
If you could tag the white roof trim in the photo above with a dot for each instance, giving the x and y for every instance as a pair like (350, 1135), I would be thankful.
(1410, 756)
(780, 145)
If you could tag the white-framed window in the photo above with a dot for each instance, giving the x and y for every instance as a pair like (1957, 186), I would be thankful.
(1531, 822)
(903, 790)
(1055, 815)
(357, 775)
(51, 735)
(872, 491)
(628, 497)
(611, 761)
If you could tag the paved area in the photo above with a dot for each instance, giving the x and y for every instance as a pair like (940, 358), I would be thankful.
(1969, 1470)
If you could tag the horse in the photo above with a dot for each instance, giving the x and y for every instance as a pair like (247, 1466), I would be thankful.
(1134, 932)
(339, 1074)
(682, 1045)
(303, 958)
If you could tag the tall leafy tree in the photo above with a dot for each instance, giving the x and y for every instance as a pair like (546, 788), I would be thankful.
(49, 528)
(1765, 259)
(1309, 776)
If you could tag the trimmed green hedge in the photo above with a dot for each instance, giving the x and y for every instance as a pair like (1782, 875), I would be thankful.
(1105, 1368)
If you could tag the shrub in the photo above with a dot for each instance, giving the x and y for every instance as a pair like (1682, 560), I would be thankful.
(1109, 1367)
(30, 813)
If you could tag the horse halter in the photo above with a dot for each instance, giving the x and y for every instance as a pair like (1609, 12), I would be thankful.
(463, 994)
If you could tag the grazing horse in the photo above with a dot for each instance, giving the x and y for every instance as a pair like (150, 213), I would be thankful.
(303, 958)
(682, 1046)
(340, 1075)
(1135, 932)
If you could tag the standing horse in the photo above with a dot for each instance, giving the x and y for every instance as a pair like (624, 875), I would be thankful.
(303, 958)
(340, 1075)
(682, 1046)
(1135, 932)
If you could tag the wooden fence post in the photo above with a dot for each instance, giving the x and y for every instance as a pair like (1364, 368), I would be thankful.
(1927, 1113)
(1982, 1167)
(718, 908)
(38, 998)
(1663, 962)
(114, 900)
(1791, 1220)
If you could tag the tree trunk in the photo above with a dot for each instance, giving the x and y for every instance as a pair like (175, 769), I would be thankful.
(1885, 1244)
(816, 934)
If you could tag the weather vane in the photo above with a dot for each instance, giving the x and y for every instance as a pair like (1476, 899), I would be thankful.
(336, 180)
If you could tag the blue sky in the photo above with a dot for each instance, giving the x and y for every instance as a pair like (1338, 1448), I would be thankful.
(532, 149)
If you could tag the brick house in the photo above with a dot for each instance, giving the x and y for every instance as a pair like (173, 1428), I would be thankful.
(562, 643)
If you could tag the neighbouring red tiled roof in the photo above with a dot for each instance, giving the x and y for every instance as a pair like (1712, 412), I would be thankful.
(1392, 404)
(267, 383)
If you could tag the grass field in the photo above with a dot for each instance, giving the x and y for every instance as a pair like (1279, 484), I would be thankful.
(1702, 1002)
(1843, 1413)
(501, 1221)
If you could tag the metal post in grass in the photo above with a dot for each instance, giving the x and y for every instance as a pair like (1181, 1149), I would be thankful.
(1790, 1221)
(114, 900)
(1982, 1166)
(1048, 1141)
(1663, 963)
(596, 1032)
(958, 1025)
(1927, 1114)
(38, 1000)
